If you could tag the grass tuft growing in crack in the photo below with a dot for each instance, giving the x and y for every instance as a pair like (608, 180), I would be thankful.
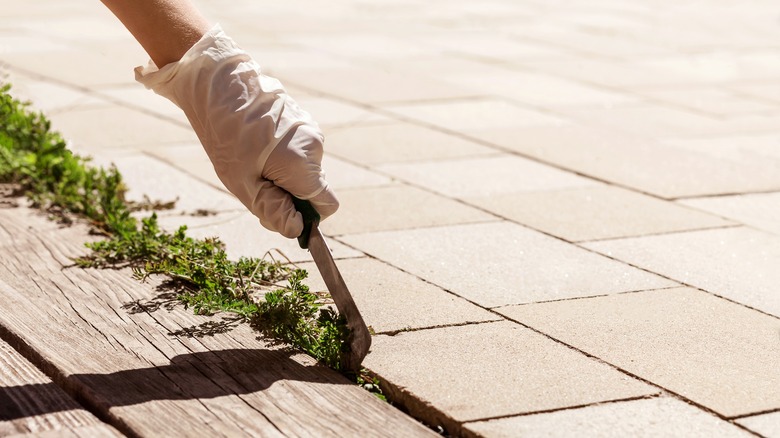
(35, 162)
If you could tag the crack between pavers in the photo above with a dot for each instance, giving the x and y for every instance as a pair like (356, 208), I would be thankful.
(503, 306)
(681, 283)
(567, 408)
(661, 233)
(416, 403)
(635, 376)
(433, 327)
(94, 93)
(399, 117)
(726, 194)
(755, 414)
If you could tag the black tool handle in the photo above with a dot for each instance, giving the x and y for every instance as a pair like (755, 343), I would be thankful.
(310, 219)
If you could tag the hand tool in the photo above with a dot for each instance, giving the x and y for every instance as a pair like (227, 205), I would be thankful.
(359, 339)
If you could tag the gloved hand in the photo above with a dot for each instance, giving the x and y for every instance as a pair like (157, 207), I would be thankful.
(263, 146)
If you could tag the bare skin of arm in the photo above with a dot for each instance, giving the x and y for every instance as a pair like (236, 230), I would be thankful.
(166, 29)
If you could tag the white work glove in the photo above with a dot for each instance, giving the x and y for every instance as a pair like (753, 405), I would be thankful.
(263, 146)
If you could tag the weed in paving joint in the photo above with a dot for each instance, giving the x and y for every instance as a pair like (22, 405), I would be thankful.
(36, 161)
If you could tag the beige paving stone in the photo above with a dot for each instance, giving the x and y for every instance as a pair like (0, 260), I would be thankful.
(392, 300)
(737, 263)
(398, 142)
(485, 176)
(148, 176)
(607, 72)
(648, 120)
(361, 45)
(189, 158)
(474, 114)
(761, 210)
(501, 263)
(718, 66)
(372, 85)
(709, 350)
(344, 175)
(243, 236)
(49, 97)
(14, 42)
(44, 9)
(96, 129)
(711, 101)
(486, 370)
(487, 44)
(765, 91)
(397, 207)
(108, 63)
(139, 98)
(75, 28)
(749, 149)
(767, 424)
(636, 162)
(331, 113)
(589, 43)
(597, 212)
(654, 417)
(540, 90)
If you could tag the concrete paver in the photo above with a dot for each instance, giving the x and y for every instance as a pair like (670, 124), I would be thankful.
(391, 300)
(711, 101)
(189, 158)
(767, 424)
(540, 90)
(110, 65)
(654, 417)
(485, 176)
(529, 266)
(716, 353)
(469, 115)
(148, 176)
(737, 263)
(344, 175)
(331, 113)
(761, 210)
(373, 85)
(140, 98)
(50, 98)
(113, 126)
(594, 213)
(657, 127)
(511, 370)
(398, 142)
(244, 237)
(397, 207)
(637, 162)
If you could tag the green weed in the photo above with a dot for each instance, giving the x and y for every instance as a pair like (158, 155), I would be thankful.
(36, 161)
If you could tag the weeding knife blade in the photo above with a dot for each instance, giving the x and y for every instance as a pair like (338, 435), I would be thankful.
(359, 340)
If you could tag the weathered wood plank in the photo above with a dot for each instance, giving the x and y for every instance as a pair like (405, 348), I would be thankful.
(129, 367)
(94, 431)
(30, 403)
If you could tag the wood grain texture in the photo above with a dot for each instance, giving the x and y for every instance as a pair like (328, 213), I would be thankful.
(30, 403)
(113, 345)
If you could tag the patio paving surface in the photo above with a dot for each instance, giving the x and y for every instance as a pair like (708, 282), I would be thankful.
(560, 218)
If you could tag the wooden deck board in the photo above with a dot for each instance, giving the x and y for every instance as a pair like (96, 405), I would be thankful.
(30, 403)
(131, 369)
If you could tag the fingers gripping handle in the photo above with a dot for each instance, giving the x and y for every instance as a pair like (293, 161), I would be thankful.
(310, 219)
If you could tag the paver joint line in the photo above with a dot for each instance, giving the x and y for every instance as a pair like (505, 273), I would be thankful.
(624, 163)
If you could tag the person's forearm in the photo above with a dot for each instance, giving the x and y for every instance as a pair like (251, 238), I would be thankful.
(166, 29)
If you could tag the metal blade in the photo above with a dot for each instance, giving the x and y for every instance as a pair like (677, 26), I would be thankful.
(360, 338)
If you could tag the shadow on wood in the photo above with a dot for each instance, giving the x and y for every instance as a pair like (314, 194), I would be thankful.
(204, 375)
